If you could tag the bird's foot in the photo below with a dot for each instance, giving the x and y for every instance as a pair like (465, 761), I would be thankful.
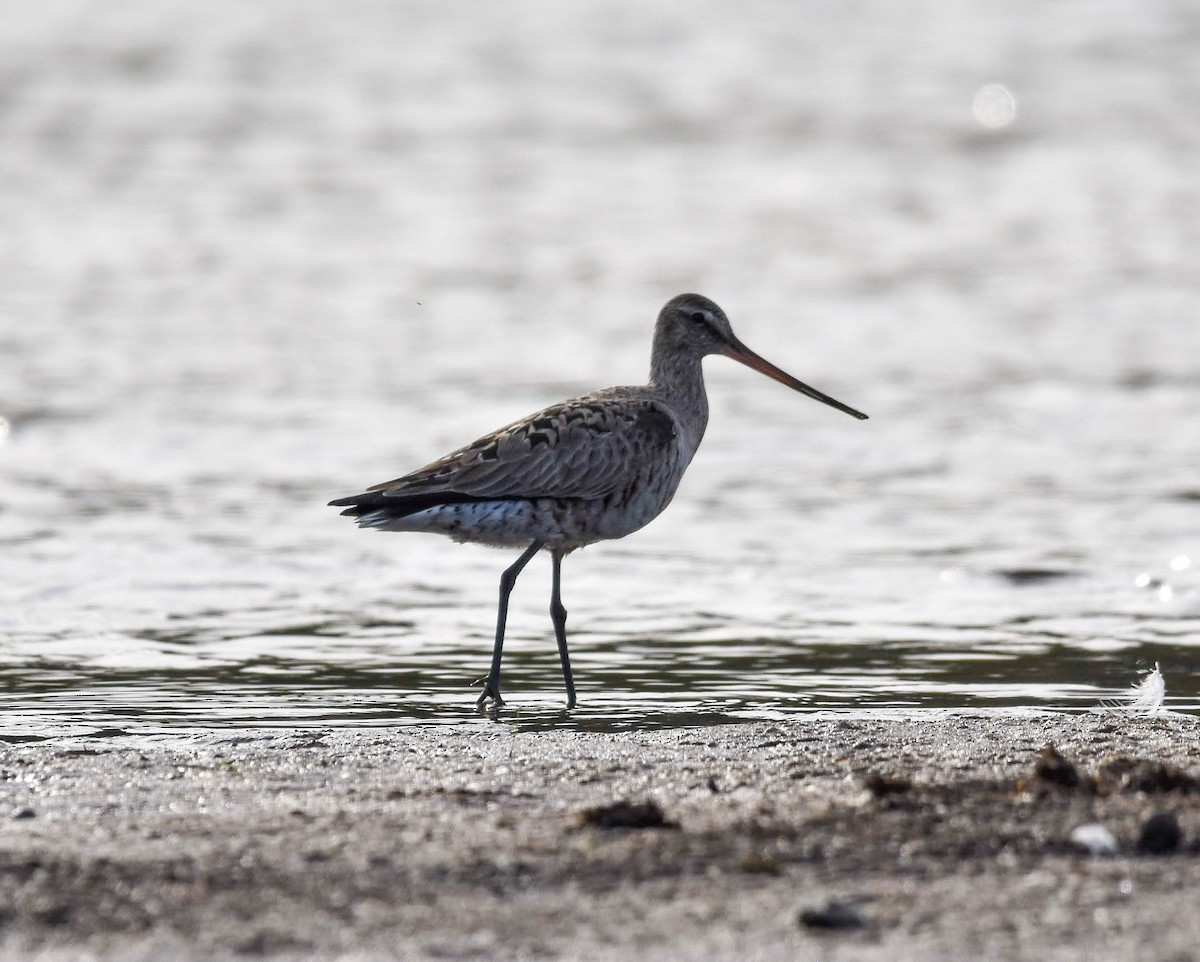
(490, 693)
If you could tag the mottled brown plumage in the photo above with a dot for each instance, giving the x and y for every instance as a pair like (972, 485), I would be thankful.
(593, 468)
(591, 464)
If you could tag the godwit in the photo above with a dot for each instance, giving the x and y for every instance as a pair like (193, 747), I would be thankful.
(590, 469)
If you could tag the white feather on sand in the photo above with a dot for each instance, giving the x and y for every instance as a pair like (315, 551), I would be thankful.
(1147, 697)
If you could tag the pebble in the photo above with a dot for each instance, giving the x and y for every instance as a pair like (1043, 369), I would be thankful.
(834, 914)
(1095, 839)
(626, 814)
(1160, 834)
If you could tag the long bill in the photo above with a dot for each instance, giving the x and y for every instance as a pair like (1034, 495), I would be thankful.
(739, 352)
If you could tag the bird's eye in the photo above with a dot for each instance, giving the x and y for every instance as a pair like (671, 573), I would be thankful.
(699, 318)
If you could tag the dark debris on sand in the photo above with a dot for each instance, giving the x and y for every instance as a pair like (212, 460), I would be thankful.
(626, 814)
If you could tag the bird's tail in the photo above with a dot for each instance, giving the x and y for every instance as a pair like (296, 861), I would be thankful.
(375, 508)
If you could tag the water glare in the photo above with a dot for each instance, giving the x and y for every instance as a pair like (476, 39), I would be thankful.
(994, 106)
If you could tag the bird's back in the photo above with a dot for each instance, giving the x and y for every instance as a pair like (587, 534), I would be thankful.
(592, 468)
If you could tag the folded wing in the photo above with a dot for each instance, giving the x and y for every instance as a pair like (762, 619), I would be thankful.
(585, 449)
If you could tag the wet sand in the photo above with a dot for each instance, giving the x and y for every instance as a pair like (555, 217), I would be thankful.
(946, 838)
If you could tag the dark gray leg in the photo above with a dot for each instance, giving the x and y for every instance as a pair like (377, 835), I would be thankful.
(558, 614)
(491, 688)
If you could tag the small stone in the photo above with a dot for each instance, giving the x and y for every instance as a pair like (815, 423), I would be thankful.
(880, 785)
(834, 914)
(1095, 839)
(52, 913)
(756, 863)
(1051, 768)
(1160, 834)
(24, 813)
(1118, 773)
(625, 814)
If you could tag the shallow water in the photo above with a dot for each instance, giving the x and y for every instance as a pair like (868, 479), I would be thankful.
(258, 257)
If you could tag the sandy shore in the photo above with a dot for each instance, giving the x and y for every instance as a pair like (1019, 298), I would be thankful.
(810, 839)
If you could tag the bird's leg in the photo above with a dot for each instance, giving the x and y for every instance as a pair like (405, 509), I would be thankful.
(491, 688)
(558, 614)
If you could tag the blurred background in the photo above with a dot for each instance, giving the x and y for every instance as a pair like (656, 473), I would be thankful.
(257, 256)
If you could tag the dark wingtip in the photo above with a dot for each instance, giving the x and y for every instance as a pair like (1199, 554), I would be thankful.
(399, 506)
(356, 505)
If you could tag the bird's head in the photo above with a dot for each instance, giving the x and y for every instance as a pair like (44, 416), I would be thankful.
(690, 325)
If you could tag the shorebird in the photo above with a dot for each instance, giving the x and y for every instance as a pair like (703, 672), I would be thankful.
(593, 468)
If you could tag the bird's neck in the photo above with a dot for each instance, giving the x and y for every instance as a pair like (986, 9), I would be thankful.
(678, 379)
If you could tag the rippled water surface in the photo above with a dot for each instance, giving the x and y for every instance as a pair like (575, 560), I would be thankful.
(256, 256)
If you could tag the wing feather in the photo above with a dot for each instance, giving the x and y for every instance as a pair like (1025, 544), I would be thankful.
(588, 448)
